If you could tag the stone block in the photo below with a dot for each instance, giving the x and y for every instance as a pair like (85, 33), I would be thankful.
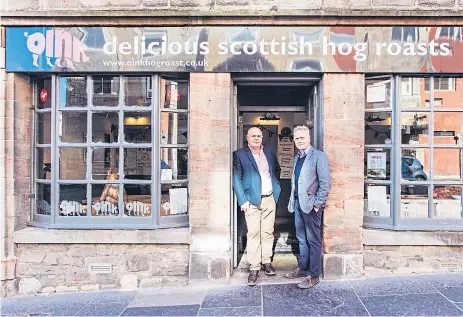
(353, 266)
(393, 3)
(82, 250)
(220, 268)
(344, 83)
(443, 252)
(374, 259)
(60, 4)
(151, 282)
(74, 261)
(129, 281)
(29, 286)
(360, 4)
(51, 280)
(333, 266)
(104, 279)
(394, 263)
(77, 275)
(90, 288)
(199, 266)
(125, 3)
(66, 289)
(155, 3)
(137, 263)
(48, 290)
(95, 4)
(118, 249)
(335, 4)
(414, 251)
(191, 3)
(32, 256)
(45, 269)
(175, 281)
(233, 2)
(342, 240)
(287, 4)
(109, 259)
(435, 4)
(51, 258)
(344, 132)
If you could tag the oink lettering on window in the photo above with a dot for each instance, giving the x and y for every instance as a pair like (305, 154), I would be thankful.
(105, 208)
(71, 208)
(137, 208)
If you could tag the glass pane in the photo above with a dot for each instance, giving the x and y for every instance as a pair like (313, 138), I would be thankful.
(105, 162)
(378, 163)
(73, 127)
(378, 93)
(72, 92)
(174, 94)
(447, 202)
(174, 128)
(43, 167)
(414, 201)
(448, 128)
(377, 201)
(105, 127)
(72, 163)
(105, 199)
(174, 164)
(413, 93)
(44, 128)
(137, 127)
(415, 164)
(137, 91)
(447, 164)
(138, 202)
(414, 128)
(106, 91)
(378, 128)
(137, 163)
(73, 200)
(42, 199)
(174, 199)
(44, 93)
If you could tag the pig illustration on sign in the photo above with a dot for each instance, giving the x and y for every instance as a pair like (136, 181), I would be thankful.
(57, 44)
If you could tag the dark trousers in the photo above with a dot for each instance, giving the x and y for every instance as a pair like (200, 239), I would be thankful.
(308, 233)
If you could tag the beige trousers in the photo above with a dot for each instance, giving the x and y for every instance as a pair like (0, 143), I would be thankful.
(260, 222)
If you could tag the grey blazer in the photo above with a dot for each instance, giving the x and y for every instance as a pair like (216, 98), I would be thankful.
(314, 182)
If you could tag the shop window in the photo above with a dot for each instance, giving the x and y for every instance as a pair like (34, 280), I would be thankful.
(405, 34)
(414, 164)
(105, 173)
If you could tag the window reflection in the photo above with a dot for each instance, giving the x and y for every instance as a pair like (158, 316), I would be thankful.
(42, 201)
(177, 162)
(137, 91)
(448, 128)
(414, 128)
(72, 92)
(106, 91)
(72, 163)
(447, 164)
(378, 128)
(44, 128)
(174, 94)
(73, 200)
(73, 127)
(105, 160)
(413, 93)
(137, 127)
(377, 201)
(415, 164)
(414, 201)
(447, 202)
(378, 93)
(138, 201)
(105, 127)
(174, 128)
(43, 163)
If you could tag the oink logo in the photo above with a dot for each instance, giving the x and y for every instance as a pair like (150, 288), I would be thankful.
(57, 44)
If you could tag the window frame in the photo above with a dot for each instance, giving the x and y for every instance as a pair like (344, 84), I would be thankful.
(395, 222)
(54, 220)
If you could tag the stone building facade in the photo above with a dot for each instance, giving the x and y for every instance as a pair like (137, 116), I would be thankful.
(45, 260)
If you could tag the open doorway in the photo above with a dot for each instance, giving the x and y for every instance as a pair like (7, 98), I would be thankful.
(276, 106)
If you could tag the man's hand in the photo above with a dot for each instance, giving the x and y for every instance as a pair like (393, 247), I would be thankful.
(245, 206)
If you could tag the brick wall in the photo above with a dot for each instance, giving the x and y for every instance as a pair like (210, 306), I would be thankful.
(49, 268)
(244, 7)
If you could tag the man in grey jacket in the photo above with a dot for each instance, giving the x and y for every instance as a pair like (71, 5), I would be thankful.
(310, 186)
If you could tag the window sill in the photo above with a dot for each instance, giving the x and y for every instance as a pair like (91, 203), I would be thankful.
(390, 237)
(156, 236)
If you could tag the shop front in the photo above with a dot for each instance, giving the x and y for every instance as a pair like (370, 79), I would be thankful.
(119, 146)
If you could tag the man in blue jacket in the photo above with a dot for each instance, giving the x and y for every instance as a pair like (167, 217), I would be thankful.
(255, 179)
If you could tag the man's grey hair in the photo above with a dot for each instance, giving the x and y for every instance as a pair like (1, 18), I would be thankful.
(301, 128)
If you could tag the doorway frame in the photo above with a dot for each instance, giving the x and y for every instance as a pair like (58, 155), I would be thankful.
(278, 80)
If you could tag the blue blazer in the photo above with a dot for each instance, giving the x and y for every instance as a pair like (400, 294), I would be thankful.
(246, 177)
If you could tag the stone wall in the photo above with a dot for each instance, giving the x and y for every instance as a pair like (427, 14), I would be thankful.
(210, 176)
(344, 134)
(242, 7)
(48, 268)
(402, 260)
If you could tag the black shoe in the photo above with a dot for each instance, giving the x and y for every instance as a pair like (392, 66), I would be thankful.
(269, 269)
(252, 277)
(297, 273)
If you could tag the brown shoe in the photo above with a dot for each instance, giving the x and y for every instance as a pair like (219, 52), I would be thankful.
(269, 269)
(297, 273)
(309, 282)
(252, 277)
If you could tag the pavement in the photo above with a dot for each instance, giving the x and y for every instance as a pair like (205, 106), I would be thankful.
(418, 295)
